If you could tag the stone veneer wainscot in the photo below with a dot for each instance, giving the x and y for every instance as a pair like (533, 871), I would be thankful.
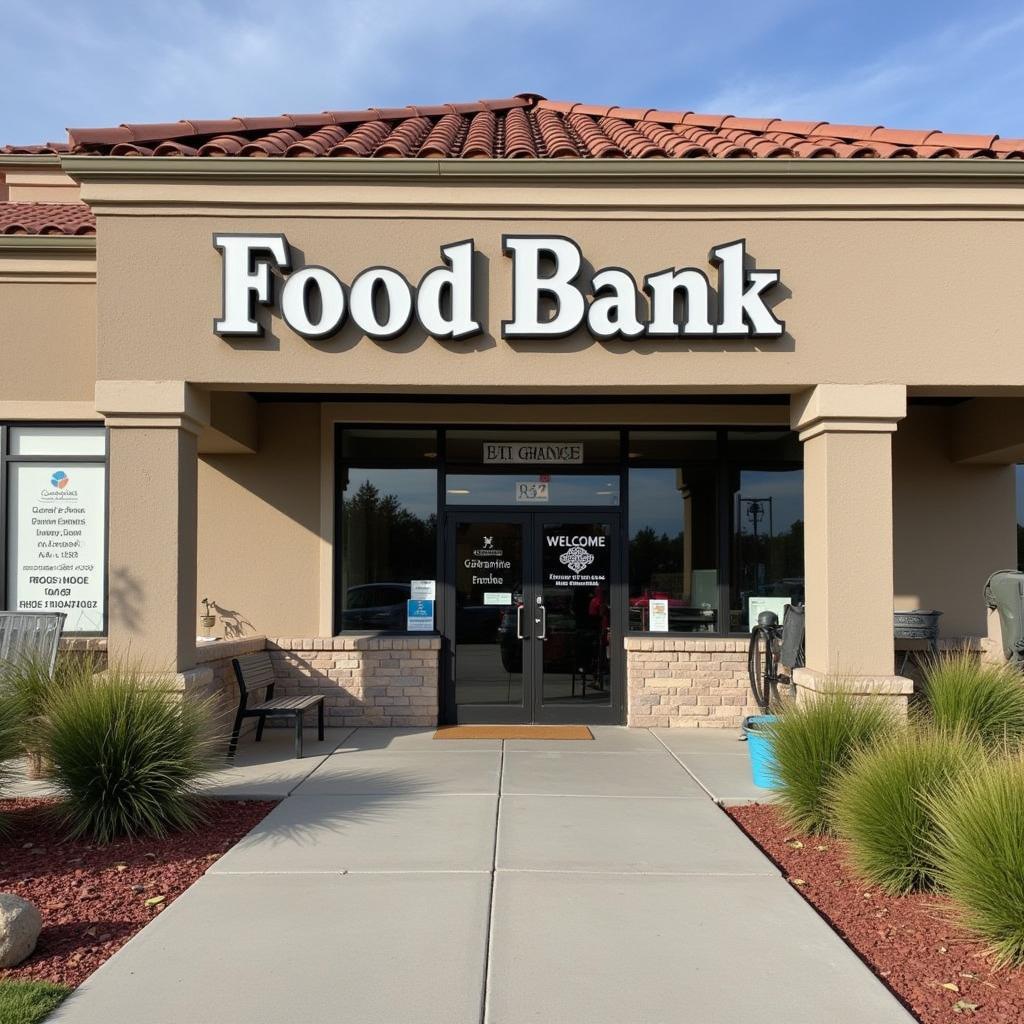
(366, 680)
(676, 681)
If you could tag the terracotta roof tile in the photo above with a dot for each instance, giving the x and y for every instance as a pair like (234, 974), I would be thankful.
(46, 219)
(523, 127)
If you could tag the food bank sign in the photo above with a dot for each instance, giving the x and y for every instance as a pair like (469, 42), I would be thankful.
(551, 296)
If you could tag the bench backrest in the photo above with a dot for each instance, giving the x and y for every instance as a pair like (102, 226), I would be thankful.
(30, 636)
(253, 672)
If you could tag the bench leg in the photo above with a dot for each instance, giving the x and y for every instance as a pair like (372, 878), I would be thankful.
(320, 721)
(259, 728)
(298, 735)
(233, 744)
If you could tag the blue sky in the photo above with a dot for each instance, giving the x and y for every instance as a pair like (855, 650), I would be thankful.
(952, 66)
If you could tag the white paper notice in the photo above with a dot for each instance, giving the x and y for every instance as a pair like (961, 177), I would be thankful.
(56, 538)
(497, 597)
(423, 590)
(756, 605)
(658, 621)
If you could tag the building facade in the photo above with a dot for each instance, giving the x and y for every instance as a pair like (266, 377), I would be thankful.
(509, 411)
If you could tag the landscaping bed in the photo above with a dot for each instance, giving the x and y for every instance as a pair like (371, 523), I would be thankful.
(940, 973)
(93, 898)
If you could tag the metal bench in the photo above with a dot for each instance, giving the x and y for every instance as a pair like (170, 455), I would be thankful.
(256, 672)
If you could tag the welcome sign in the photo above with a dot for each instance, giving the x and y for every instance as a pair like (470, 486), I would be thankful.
(551, 296)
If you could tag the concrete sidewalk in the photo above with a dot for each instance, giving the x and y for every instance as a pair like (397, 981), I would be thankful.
(412, 881)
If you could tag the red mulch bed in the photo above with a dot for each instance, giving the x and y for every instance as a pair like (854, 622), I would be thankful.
(910, 942)
(93, 898)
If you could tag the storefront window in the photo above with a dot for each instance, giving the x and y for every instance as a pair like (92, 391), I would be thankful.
(388, 518)
(54, 517)
(389, 538)
(530, 490)
(673, 550)
(767, 542)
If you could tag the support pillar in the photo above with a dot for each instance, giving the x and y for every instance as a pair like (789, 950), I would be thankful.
(847, 432)
(154, 428)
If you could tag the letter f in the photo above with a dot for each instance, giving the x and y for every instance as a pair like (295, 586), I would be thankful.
(246, 275)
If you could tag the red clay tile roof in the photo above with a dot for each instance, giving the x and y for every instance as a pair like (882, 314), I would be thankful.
(46, 219)
(522, 126)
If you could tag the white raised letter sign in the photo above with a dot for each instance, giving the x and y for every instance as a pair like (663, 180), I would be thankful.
(247, 279)
(550, 297)
(743, 311)
(455, 280)
(528, 286)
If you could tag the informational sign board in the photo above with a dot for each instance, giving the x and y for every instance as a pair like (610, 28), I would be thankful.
(423, 590)
(522, 453)
(501, 597)
(658, 615)
(419, 616)
(56, 542)
(756, 605)
(532, 492)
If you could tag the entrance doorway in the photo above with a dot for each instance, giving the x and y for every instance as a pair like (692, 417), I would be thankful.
(534, 627)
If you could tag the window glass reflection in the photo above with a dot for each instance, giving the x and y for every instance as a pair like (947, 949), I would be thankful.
(673, 547)
(531, 490)
(767, 542)
(389, 537)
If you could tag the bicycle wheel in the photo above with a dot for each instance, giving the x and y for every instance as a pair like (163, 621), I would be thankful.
(760, 667)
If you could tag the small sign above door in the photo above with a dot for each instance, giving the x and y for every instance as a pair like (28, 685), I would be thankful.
(531, 492)
(520, 453)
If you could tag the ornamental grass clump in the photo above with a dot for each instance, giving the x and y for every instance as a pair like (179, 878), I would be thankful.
(978, 852)
(10, 747)
(812, 741)
(881, 803)
(127, 754)
(961, 694)
(27, 684)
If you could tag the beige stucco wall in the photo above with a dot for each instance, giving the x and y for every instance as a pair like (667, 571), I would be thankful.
(874, 278)
(259, 522)
(954, 523)
(47, 328)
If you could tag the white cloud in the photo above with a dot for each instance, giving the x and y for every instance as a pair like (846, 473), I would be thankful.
(101, 62)
(963, 77)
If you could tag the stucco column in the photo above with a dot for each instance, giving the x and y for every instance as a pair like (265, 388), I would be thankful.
(154, 427)
(847, 432)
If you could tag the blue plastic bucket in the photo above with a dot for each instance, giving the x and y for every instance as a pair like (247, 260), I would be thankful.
(759, 746)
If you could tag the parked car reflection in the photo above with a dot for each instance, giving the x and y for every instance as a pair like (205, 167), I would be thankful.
(374, 606)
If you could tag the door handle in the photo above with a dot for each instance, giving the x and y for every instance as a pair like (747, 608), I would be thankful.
(519, 623)
(543, 622)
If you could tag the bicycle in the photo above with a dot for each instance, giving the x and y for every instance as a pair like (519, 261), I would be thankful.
(773, 644)
(763, 660)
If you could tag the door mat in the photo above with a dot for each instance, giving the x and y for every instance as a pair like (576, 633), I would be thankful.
(513, 732)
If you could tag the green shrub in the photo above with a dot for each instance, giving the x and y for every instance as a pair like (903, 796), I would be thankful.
(963, 695)
(28, 1002)
(812, 741)
(979, 853)
(10, 747)
(127, 754)
(880, 803)
(26, 684)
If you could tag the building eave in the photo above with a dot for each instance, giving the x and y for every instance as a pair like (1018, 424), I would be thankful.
(707, 171)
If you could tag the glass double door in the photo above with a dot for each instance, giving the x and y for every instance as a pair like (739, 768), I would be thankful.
(533, 622)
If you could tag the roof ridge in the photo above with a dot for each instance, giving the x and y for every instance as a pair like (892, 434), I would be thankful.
(565, 130)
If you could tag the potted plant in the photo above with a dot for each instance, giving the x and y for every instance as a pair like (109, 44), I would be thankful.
(208, 620)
